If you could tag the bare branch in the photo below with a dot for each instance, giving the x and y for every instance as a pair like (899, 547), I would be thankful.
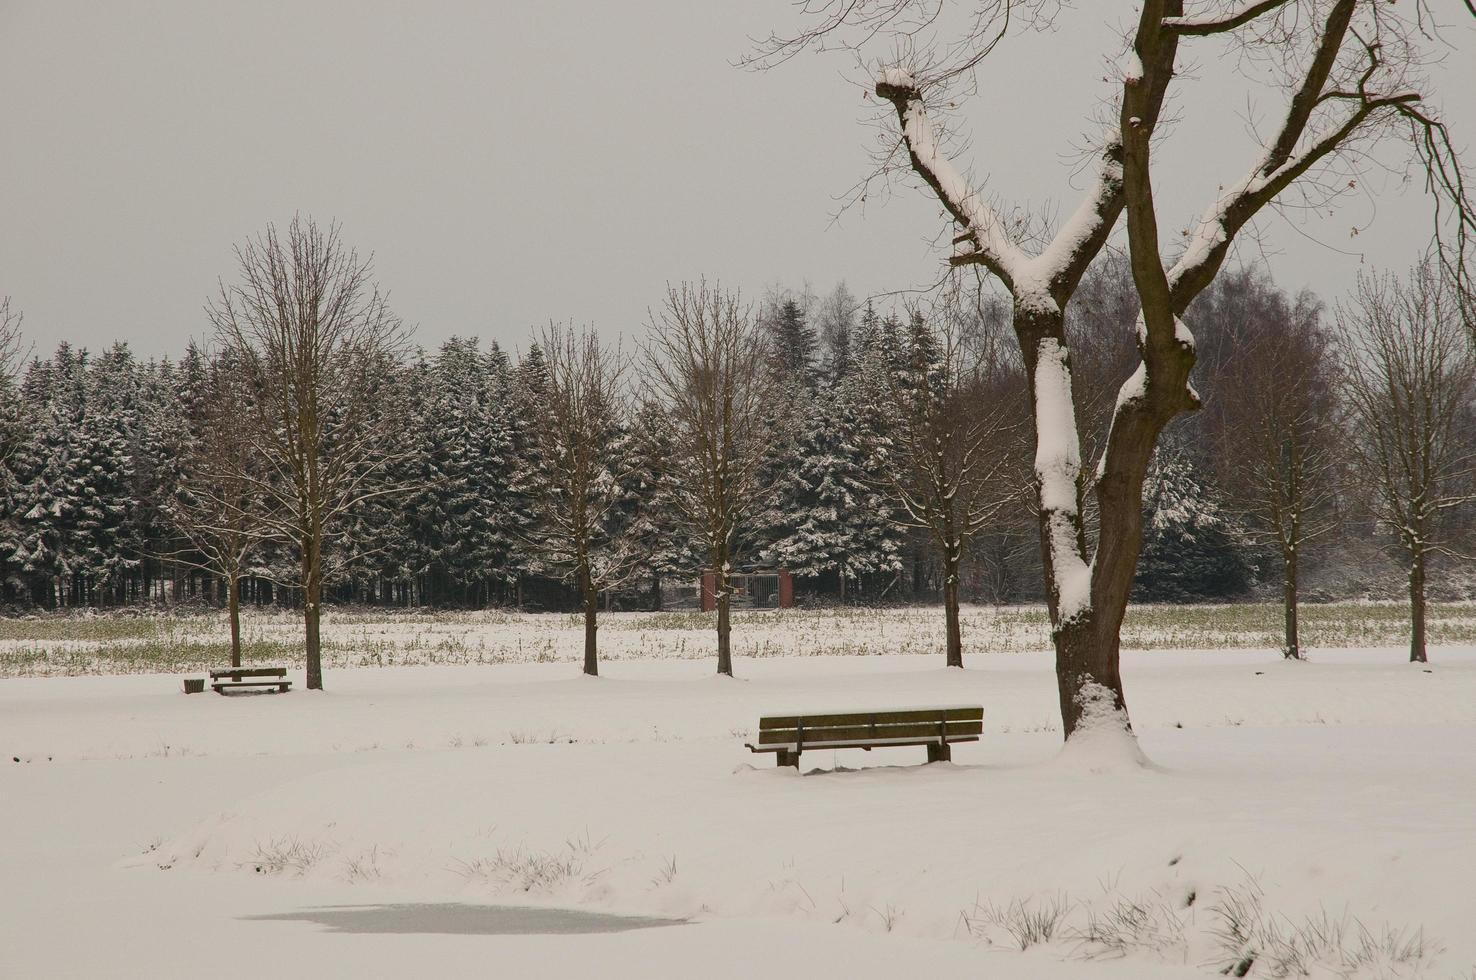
(1202, 26)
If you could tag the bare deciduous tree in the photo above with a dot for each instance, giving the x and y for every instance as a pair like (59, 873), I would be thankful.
(706, 364)
(1350, 70)
(1411, 374)
(217, 507)
(952, 428)
(1351, 74)
(1275, 430)
(315, 337)
(582, 532)
(12, 353)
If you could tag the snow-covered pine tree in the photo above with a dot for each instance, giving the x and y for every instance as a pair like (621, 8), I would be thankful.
(530, 478)
(499, 468)
(40, 528)
(471, 446)
(110, 424)
(663, 541)
(1193, 548)
(74, 476)
(792, 344)
(835, 517)
(387, 547)
(157, 446)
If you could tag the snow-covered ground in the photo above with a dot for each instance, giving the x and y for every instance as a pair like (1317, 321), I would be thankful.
(1318, 817)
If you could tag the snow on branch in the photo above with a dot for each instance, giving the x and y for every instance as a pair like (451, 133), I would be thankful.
(984, 227)
(1081, 237)
(1031, 279)
(1224, 219)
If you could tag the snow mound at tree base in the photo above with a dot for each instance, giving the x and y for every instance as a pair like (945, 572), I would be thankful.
(1103, 741)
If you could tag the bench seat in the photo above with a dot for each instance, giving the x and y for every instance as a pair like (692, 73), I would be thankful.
(222, 687)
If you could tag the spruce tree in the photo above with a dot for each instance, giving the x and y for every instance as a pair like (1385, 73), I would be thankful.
(663, 540)
(1192, 547)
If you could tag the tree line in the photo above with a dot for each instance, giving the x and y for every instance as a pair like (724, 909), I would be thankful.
(309, 455)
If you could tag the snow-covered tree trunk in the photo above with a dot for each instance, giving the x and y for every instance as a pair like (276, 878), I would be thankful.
(1087, 598)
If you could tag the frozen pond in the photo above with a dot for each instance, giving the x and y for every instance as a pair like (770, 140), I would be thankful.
(461, 919)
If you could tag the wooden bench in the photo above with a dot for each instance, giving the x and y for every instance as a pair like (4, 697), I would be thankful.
(235, 679)
(937, 728)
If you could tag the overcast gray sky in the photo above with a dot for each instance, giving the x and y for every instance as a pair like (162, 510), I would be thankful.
(509, 163)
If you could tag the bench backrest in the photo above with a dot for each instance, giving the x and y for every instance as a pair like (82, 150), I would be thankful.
(863, 726)
(238, 673)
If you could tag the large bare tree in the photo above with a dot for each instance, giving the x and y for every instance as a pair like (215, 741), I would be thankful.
(1411, 375)
(583, 532)
(1350, 74)
(218, 508)
(1275, 428)
(706, 364)
(951, 427)
(315, 339)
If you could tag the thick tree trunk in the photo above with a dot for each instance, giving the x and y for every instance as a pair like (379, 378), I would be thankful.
(1089, 593)
(233, 607)
(655, 593)
(1417, 608)
(1087, 668)
(950, 609)
(1086, 635)
(1291, 647)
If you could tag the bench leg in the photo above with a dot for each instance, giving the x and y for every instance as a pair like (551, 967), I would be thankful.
(940, 752)
(786, 758)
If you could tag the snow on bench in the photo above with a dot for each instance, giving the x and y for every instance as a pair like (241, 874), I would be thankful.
(789, 735)
(222, 681)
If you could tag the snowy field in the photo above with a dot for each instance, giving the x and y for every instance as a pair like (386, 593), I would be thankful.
(130, 643)
(503, 815)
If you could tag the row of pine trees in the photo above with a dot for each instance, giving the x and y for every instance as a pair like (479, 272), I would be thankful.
(94, 442)
(95, 448)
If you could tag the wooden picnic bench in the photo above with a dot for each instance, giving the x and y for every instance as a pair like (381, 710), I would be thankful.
(236, 679)
(937, 728)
